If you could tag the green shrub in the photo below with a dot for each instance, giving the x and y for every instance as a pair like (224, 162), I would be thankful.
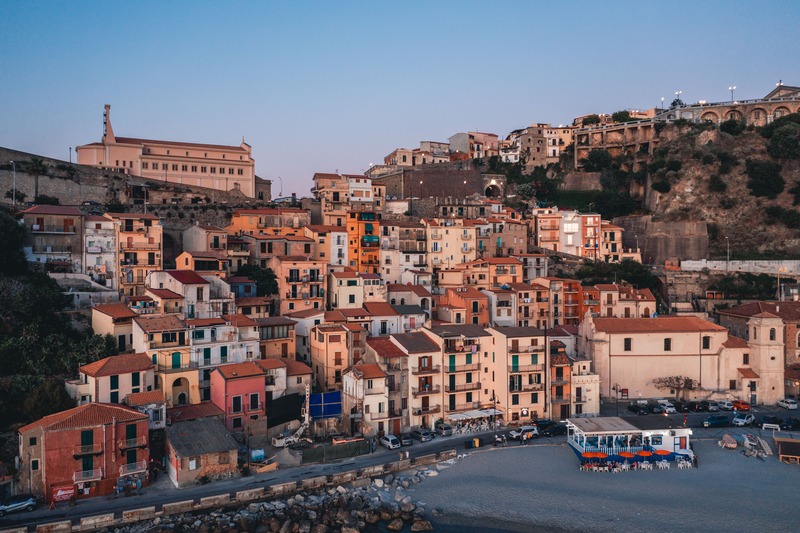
(673, 165)
(590, 119)
(733, 127)
(715, 184)
(785, 142)
(768, 130)
(789, 217)
(708, 159)
(657, 164)
(661, 186)
(621, 116)
(765, 178)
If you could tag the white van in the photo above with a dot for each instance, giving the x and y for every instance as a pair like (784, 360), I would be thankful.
(666, 406)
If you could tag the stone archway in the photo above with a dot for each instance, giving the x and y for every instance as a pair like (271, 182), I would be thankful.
(180, 392)
(710, 116)
(758, 116)
(493, 191)
(781, 111)
(733, 114)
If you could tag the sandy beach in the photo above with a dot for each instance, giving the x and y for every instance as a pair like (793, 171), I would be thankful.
(540, 488)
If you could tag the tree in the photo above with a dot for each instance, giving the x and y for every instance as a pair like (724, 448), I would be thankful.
(597, 160)
(676, 383)
(43, 199)
(785, 142)
(526, 191)
(47, 398)
(20, 196)
(677, 103)
(266, 282)
(621, 116)
(37, 168)
(765, 178)
(12, 235)
(588, 120)
(733, 127)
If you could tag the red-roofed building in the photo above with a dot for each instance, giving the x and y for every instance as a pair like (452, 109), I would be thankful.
(260, 221)
(54, 237)
(364, 392)
(83, 451)
(139, 248)
(115, 320)
(302, 282)
(152, 404)
(238, 390)
(213, 166)
(111, 379)
(208, 263)
(203, 297)
(464, 305)
(330, 243)
(298, 376)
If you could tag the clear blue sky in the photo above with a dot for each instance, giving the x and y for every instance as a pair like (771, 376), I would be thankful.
(321, 86)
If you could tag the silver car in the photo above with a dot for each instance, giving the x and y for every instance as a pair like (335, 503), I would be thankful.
(20, 502)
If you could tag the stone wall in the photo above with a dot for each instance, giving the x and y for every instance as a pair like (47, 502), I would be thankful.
(662, 240)
(788, 268)
(581, 181)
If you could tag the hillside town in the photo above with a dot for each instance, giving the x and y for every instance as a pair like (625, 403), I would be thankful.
(408, 298)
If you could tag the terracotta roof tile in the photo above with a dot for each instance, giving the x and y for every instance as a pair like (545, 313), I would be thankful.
(118, 364)
(666, 324)
(159, 323)
(116, 311)
(144, 398)
(380, 309)
(247, 369)
(270, 364)
(240, 321)
(192, 412)
(296, 368)
(53, 210)
(187, 277)
(165, 294)
(384, 347)
(748, 373)
(204, 322)
(367, 371)
(91, 414)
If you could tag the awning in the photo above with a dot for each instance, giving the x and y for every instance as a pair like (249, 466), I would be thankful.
(370, 238)
(491, 412)
(475, 414)
(456, 417)
(748, 373)
(368, 227)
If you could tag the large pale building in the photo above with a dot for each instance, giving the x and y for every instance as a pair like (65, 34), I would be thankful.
(220, 167)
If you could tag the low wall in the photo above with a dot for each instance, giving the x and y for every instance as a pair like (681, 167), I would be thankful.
(784, 268)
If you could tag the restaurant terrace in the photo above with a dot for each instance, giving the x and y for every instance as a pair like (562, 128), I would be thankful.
(628, 437)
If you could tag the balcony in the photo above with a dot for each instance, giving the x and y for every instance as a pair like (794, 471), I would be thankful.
(559, 380)
(591, 302)
(292, 279)
(169, 369)
(436, 236)
(431, 409)
(124, 246)
(245, 409)
(459, 348)
(373, 417)
(547, 238)
(82, 476)
(525, 368)
(46, 228)
(136, 442)
(466, 237)
(581, 399)
(52, 249)
(89, 449)
(474, 367)
(133, 468)
(419, 371)
(462, 407)
(528, 387)
(418, 391)
(526, 349)
(560, 399)
(463, 387)
(375, 390)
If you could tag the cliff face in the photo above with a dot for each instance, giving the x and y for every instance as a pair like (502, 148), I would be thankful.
(706, 172)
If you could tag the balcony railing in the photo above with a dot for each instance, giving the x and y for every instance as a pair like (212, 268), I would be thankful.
(44, 249)
(580, 399)
(527, 349)
(245, 409)
(419, 411)
(191, 365)
(528, 387)
(136, 442)
(133, 468)
(525, 368)
(564, 398)
(384, 415)
(375, 390)
(559, 381)
(419, 391)
(462, 407)
(466, 237)
(432, 369)
(46, 228)
(463, 387)
(463, 368)
(81, 476)
(458, 348)
(123, 246)
(89, 449)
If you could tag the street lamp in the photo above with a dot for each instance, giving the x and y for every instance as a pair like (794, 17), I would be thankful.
(615, 388)
(662, 103)
(678, 95)
(70, 154)
(14, 184)
(280, 193)
(728, 255)
(731, 89)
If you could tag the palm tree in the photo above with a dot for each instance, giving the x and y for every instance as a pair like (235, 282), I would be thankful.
(36, 167)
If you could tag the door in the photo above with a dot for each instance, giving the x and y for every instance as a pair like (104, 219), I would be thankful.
(176, 360)
(121, 343)
(515, 363)
(396, 426)
(130, 432)
(452, 362)
(452, 382)
(130, 456)
(451, 402)
(564, 411)
(87, 441)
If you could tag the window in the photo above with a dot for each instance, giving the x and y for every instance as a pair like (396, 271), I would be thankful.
(194, 168)
(114, 397)
(772, 334)
(32, 441)
(706, 342)
(746, 359)
(732, 384)
(352, 298)
(535, 397)
(35, 464)
(254, 402)
(213, 170)
(114, 382)
(236, 423)
(136, 379)
(156, 415)
(627, 342)
(223, 354)
(223, 458)
(515, 399)
(144, 165)
(184, 168)
(203, 169)
(236, 404)
(667, 345)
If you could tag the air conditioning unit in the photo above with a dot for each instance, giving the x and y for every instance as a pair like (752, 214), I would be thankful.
(36, 227)
(308, 302)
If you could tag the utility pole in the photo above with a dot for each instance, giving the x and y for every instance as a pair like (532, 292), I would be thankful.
(14, 184)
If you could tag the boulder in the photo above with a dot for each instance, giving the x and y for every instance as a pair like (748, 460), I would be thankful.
(421, 525)
(395, 525)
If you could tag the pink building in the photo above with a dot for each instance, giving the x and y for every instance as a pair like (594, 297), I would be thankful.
(224, 168)
(239, 391)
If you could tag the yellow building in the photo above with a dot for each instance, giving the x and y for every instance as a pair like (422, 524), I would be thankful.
(139, 249)
(301, 281)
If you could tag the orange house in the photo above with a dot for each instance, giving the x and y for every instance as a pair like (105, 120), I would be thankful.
(363, 230)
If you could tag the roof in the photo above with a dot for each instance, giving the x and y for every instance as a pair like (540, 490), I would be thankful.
(408, 309)
(204, 322)
(307, 313)
(52, 210)
(133, 216)
(735, 342)
(134, 140)
(151, 324)
(248, 369)
(345, 274)
(144, 398)
(270, 364)
(352, 312)
(187, 277)
(380, 309)
(666, 324)
(367, 371)
(335, 316)
(416, 342)
(748, 373)
(239, 279)
(165, 294)
(384, 347)
(190, 412)
(116, 311)
(88, 415)
(296, 368)
(207, 254)
(788, 311)
(240, 321)
(118, 364)
(459, 330)
(467, 292)
(275, 321)
(322, 228)
(419, 290)
(200, 437)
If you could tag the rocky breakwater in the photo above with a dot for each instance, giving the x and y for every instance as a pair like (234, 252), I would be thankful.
(363, 505)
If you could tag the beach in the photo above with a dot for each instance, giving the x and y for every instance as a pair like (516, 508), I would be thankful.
(540, 488)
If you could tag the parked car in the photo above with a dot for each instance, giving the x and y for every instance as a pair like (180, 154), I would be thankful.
(655, 408)
(694, 407)
(543, 423)
(709, 405)
(740, 405)
(788, 403)
(770, 419)
(444, 430)
(422, 435)
(716, 421)
(725, 406)
(554, 430)
(406, 440)
(791, 424)
(20, 502)
(742, 419)
(390, 441)
(638, 409)
(681, 406)
(667, 407)
(530, 432)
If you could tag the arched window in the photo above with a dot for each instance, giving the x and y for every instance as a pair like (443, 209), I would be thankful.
(755, 334)
(772, 334)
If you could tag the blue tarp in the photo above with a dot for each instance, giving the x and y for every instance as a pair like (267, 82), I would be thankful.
(325, 405)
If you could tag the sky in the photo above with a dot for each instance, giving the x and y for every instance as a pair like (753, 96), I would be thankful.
(336, 86)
